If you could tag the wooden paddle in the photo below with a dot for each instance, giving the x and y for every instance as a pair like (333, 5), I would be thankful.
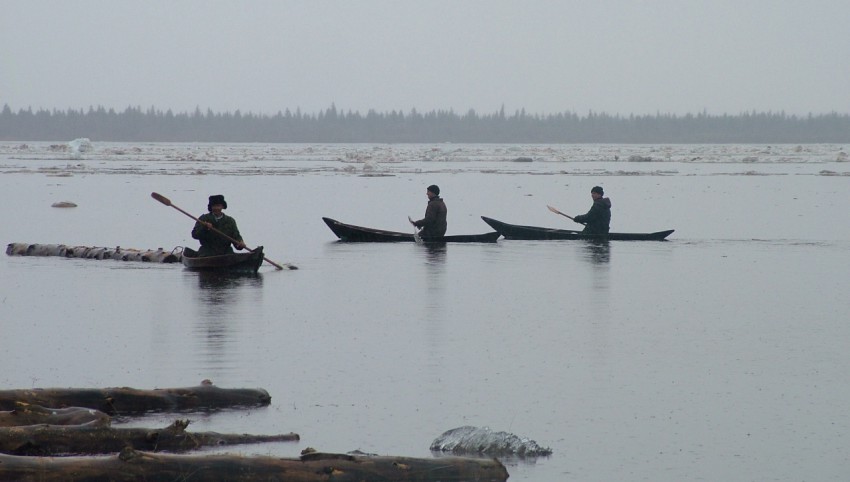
(167, 202)
(559, 212)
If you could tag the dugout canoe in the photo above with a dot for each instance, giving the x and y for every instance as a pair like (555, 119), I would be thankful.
(516, 231)
(351, 233)
(236, 262)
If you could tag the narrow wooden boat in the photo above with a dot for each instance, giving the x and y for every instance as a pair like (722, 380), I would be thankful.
(348, 232)
(515, 231)
(237, 262)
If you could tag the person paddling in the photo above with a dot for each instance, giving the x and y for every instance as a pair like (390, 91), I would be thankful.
(434, 223)
(598, 219)
(213, 243)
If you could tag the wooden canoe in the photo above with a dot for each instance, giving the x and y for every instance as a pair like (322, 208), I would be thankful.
(351, 233)
(515, 231)
(237, 262)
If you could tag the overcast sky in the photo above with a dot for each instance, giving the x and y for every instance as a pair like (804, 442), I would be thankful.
(615, 56)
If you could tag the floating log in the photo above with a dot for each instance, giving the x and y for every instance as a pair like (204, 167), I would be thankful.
(131, 465)
(158, 255)
(26, 414)
(130, 401)
(92, 439)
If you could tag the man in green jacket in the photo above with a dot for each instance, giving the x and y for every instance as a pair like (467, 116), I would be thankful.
(213, 243)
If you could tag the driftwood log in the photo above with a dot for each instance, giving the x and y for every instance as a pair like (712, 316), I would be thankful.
(91, 439)
(131, 465)
(132, 401)
(26, 414)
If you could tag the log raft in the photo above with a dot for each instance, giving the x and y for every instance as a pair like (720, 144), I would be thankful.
(132, 465)
(158, 255)
(94, 439)
(132, 401)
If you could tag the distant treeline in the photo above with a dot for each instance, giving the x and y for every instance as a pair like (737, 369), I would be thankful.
(330, 126)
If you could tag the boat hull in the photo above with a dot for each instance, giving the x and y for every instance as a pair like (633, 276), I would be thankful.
(237, 262)
(359, 234)
(516, 231)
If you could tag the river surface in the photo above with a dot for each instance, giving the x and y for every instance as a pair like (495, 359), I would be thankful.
(720, 354)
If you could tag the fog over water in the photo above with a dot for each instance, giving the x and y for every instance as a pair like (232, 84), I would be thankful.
(716, 355)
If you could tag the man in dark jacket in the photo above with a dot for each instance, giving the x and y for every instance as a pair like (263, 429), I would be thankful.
(213, 243)
(598, 219)
(434, 222)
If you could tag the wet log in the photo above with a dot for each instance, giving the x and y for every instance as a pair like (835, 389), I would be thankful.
(92, 439)
(25, 414)
(132, 401)
(131, 465)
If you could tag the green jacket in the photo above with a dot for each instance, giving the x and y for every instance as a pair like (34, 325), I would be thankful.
(434, 223)
(213, 243)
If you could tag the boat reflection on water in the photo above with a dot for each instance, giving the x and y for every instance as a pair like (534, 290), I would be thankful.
(598, 251)
(228, 279)
(222, 298)
(219, 287)
(435, 253)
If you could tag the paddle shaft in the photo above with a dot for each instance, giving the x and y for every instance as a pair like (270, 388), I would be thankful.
(416, 238)
(167, 202)
(562, 214)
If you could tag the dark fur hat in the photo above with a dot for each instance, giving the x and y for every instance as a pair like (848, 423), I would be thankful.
(216, 199)
(434, 189)
(598, 190)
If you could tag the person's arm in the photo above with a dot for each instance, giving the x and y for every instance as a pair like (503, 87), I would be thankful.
(591, 215)
(201, 229)
(430, 216)
(234, 233)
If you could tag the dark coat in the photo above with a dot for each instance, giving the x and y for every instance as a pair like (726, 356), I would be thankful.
(598, 219)
(213, 243)
(434, 223)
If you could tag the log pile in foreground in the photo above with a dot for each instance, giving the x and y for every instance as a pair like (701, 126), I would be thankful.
(130, 401)
(131, 465)
(28, 450)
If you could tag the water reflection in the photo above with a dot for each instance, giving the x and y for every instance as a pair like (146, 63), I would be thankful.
(435, 253)
(219, 304)
(216, 287)
(598, 251)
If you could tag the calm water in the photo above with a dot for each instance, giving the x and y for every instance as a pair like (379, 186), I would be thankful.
(718, 355)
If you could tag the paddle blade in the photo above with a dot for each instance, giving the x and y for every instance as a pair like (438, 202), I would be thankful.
(416, 238)
(559, 212)
(161, 198)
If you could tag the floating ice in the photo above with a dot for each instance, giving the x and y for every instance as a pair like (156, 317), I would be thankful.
(80, 146)
(475, 440)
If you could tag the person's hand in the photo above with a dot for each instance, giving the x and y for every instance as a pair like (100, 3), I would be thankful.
(240, 245)
(208, 225)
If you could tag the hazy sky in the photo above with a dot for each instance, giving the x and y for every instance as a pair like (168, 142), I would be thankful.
(615, 56)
